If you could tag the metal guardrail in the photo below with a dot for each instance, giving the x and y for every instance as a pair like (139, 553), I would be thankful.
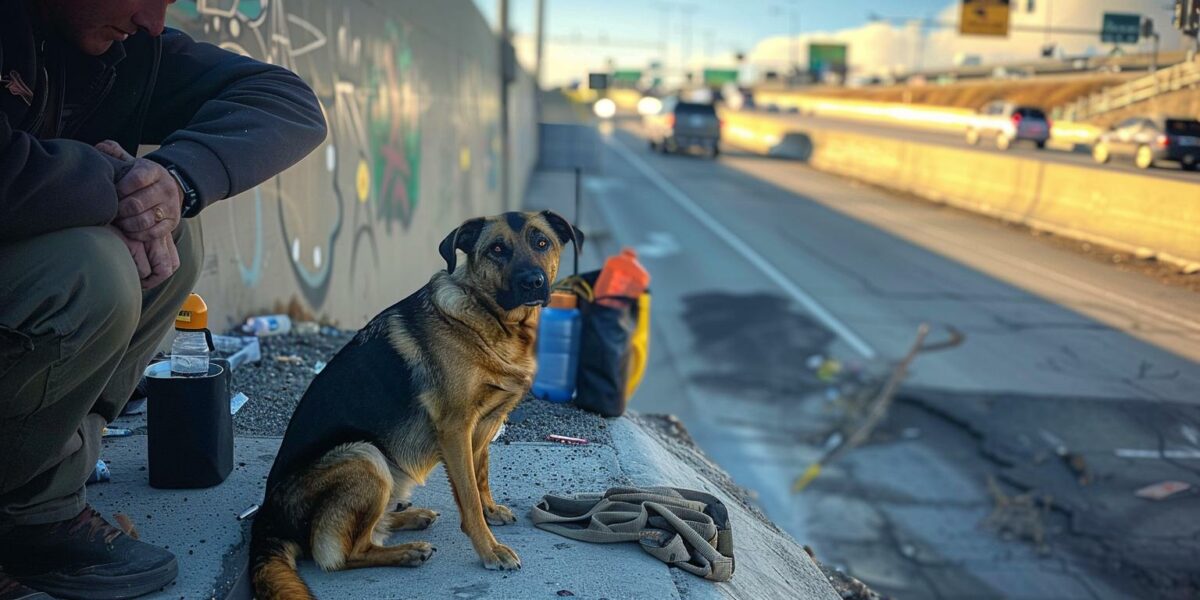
(1166, 80)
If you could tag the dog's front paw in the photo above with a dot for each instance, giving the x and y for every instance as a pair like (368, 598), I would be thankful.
(498, 514)
(502, 558)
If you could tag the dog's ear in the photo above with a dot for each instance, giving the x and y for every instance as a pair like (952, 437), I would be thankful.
(462, 238)
(566, 231)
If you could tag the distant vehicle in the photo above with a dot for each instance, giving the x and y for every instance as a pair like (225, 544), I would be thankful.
(684, 125)
(1007, 123)
(1149, 140)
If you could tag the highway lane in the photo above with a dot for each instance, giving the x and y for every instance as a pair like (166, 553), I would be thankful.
(753, 274)
(1026, 150)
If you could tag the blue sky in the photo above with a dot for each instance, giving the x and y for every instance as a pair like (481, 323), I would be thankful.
(635, 29)
(732, 23)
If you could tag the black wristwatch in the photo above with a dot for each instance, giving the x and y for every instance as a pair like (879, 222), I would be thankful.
(191, 200)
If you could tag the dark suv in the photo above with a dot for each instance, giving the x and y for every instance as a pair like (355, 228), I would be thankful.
(1151, 139)
(684, 125)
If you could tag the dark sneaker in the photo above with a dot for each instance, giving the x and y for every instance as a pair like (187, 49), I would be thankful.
(11, 589)
(85, 558)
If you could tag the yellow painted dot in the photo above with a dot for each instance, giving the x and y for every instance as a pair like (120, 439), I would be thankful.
(464, 158)
(363, 181)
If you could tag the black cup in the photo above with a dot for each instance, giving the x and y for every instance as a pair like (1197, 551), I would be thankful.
(190, 430)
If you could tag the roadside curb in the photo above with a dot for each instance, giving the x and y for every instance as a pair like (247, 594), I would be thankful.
(201, 528)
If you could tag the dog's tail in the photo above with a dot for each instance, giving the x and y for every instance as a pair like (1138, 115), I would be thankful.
(273, 570)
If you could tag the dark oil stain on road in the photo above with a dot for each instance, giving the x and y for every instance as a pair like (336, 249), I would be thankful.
(754, 343)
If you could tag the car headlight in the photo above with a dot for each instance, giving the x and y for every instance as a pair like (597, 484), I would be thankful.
(649, 105)
(605, 108)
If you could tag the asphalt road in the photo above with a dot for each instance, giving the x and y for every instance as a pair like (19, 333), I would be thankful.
(1024, 149)
(760, 264)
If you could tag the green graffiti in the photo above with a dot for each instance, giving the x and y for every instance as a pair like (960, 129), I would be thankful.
(394, 130)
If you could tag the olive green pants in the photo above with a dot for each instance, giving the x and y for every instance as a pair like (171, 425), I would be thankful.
(76, 332)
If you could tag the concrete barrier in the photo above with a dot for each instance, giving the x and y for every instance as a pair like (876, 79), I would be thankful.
(412, 93)
(1128, 211)
(1064, 135)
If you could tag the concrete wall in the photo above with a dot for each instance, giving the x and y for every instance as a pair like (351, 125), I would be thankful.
(411, 93)
(1126, 210)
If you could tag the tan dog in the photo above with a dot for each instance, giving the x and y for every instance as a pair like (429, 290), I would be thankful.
(428, 380)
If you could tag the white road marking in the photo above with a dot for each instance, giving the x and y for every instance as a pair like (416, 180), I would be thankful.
(1173, 454)
(658, 244)
(753, 257)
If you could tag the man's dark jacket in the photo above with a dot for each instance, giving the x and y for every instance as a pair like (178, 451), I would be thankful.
(226, 122)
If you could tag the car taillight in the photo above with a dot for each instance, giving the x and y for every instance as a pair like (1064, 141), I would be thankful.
(1016, 118)
(1163, 141)
(671, 120)
(720, 124)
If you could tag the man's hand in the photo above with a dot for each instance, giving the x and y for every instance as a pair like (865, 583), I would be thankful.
(164, 261)
(137, 250)
(150, 203)
(156, 259)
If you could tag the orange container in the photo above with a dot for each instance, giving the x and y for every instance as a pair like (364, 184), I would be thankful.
(622, 277)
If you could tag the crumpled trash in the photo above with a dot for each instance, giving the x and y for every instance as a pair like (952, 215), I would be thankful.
(1162, 490)
(100, 473)
(829, 370)
(290, 359)
(306, 328)
(814, 362)
(318, 367)
(236, 402)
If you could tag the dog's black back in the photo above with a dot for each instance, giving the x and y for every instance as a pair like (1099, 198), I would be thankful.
(361, 395)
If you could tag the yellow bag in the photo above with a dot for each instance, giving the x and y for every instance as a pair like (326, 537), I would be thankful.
(639, 347)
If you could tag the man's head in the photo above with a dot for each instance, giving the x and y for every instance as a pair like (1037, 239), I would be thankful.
(513, 257)
(93, 25)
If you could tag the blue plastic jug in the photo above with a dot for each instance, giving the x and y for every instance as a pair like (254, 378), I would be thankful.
(558, 349)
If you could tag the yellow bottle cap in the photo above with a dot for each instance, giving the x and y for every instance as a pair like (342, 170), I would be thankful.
(193, 315)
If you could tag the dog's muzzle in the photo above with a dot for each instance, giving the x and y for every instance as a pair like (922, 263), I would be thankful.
(528, 288)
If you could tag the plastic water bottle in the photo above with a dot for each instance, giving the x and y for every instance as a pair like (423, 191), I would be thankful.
(268, 325)
(558, 349)
(189, 351)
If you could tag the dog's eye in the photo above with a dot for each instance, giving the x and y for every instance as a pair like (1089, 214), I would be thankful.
(497, 249)
(542, 243)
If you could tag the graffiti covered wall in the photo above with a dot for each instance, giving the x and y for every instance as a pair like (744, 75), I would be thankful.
(411, 94)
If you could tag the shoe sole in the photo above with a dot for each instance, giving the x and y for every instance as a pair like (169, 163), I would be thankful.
(98, 587)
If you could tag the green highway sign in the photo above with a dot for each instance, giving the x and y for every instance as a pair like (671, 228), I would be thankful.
(626, 76)
(716, 77)
(826, 58)
(1121, 28)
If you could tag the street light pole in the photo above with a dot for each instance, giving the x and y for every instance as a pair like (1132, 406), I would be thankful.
(793, 29)
(792, 51)
(541, 38)
(504, 74)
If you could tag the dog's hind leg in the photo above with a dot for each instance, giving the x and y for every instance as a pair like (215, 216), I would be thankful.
(412, 554)
(405, 520)
(496, 514)
(355, 487)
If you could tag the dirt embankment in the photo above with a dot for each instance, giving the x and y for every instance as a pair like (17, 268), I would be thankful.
(1045, 93)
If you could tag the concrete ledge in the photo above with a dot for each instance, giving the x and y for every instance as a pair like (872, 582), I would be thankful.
(200, 526)
(1124, 210)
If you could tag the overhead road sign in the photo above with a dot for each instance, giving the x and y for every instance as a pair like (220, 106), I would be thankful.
(984, 17)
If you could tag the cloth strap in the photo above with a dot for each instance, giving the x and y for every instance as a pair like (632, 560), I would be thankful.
(684, 528)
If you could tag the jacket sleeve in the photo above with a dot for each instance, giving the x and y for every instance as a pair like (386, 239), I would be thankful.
(47, 185)
(226, 121)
